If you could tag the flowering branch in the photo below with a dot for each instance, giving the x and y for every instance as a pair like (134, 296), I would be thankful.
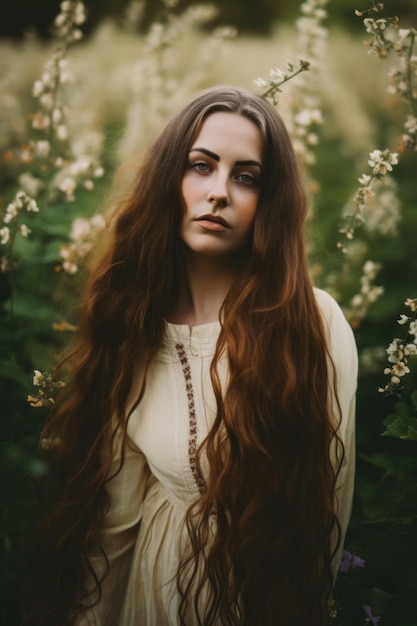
(53, 156)
(11, 228)
(47, 389)
(400, 350)
(8, 233)
(386, 37)
(84, 233)
(306, 114)
(278, 78)
(368, 294)
(56, 165)
(381, 163)
(50, 119)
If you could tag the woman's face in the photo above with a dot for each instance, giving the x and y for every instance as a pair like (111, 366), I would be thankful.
(220, 186)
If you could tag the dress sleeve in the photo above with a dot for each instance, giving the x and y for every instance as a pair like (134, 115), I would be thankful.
(344, 355)
(117, 538)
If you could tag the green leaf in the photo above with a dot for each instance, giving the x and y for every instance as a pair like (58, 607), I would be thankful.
(401, 424)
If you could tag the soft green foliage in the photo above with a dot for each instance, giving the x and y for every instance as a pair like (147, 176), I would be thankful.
(73, 146)
(403, 423)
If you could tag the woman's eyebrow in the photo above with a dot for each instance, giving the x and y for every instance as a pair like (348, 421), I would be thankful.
(216, 157)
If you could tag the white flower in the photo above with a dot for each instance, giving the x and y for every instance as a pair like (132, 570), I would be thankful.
(308, 116)
(68, 186)
(403, 319)
(374, 26)
(371, 268)
(26, 155)
(31, 184)
(40, 121)
(43, 147)
(81, 165)
(97, 221)
(400, 369)
(98, 172)
(4, 235)
(395, 351)
(76, 35)
(38, 378)
(37, 89)
(411, 124)
(47, 78)
(79, 16)
(47, 101)
(364, 180)
(31, 206)
(20, 199)
(80, 229)
(60, 20)
(11, 212)
(403, 33)
(375, 157)
(66, 75)
(381, 162)
(56, 115)
(62, 132)
(24, 230)
(277, 75)
(261, 83)
(70, 267)
(411, 303)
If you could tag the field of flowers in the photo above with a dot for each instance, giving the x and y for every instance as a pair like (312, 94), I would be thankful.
(77, 114)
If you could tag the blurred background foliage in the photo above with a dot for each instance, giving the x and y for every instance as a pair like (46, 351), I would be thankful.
(127, 80)
(250, 17)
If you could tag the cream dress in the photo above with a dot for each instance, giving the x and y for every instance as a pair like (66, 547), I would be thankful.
(143, 529)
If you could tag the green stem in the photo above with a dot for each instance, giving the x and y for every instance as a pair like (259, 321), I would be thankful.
(12, 345)
(410, 75)
(276, 86)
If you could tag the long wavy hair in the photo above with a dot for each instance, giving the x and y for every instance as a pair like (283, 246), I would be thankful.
(271, 483)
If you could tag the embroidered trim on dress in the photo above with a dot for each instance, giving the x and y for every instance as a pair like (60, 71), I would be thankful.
(192, 440)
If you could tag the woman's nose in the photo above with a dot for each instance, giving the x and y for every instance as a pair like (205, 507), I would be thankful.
(218, 194)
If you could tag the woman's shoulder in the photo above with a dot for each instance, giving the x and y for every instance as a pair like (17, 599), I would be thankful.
(331, 311)
(328, 305)
(339, 334)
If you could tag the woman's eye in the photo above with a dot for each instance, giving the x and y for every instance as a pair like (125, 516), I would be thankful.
(200, 166)
(247, 179)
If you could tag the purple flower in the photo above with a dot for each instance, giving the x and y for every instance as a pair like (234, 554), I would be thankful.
(358, 561)
(346, 561)
(369, 617)
(350, 561)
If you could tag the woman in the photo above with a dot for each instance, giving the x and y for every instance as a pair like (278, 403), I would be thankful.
(204, 453)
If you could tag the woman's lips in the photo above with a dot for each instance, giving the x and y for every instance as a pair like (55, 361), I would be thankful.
(213, 223)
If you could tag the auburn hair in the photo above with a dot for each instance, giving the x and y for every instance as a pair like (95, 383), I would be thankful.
(271, 483)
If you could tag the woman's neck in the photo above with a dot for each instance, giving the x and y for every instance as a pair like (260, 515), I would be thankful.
(203, 288)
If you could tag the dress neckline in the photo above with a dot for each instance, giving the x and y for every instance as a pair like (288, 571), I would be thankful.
(207, 331)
